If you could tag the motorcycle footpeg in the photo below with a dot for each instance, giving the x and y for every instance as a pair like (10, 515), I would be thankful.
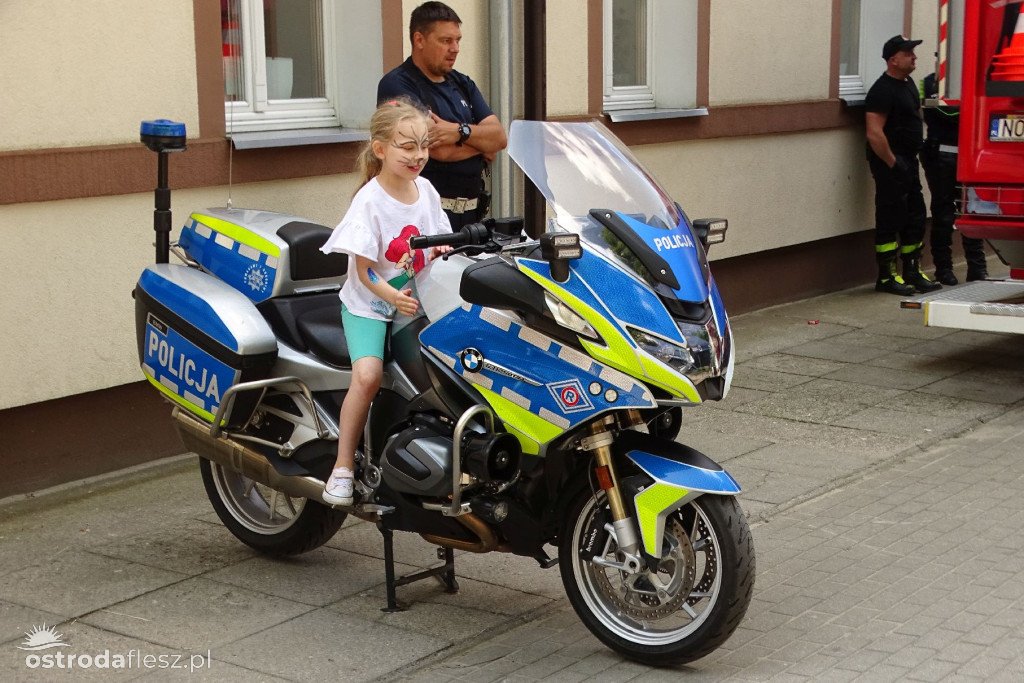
(372, 509)
(545, 561)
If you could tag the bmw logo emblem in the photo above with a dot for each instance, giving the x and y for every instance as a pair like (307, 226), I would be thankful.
(472, 360)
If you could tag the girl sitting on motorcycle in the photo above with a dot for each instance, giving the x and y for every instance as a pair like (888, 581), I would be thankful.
(392, 205)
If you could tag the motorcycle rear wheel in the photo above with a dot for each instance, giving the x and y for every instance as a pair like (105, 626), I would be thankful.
(705, 583)
(265, 519)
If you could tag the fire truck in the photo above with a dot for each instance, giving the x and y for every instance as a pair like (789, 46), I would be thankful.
(980, 68)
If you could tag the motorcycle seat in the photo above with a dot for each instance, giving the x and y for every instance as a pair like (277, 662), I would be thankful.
(321, 330)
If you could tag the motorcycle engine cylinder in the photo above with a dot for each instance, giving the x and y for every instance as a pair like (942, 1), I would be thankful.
(418, 460)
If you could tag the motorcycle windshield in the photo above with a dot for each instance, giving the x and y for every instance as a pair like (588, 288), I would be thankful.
(599, 190)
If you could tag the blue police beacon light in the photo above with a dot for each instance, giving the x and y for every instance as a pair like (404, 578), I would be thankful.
(163, 137)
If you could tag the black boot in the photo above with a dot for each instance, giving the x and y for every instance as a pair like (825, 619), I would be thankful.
(888, 279)
(914, 276)
(945, 275)
(977, 264)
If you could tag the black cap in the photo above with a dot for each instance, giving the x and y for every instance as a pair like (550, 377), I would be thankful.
(898, 44)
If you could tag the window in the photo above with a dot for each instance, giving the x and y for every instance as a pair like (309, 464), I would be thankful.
(650, 56)
(275, 62)
(627, 74)
(300, 64)
(865, 25)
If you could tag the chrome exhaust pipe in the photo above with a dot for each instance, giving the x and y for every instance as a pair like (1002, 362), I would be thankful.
(240, 458)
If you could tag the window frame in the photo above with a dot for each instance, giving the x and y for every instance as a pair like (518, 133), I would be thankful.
(631, 96)
(676, 47)
(878, 20)
(256, 112)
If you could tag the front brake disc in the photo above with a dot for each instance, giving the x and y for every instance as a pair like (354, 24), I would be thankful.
(654, 595)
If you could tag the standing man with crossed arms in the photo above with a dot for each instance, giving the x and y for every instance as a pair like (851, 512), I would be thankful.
(465, 135)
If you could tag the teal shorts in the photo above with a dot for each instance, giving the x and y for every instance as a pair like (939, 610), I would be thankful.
(365, 336)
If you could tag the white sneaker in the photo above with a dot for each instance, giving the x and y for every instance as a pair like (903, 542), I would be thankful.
(339, 487)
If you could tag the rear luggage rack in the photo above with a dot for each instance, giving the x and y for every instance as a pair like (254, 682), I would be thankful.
(227, 402)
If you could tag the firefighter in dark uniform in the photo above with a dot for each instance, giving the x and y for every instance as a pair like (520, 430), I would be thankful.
(938, 158)
(465, 134)
(894, 136)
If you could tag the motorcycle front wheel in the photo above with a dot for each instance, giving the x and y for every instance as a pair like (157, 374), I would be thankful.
(685, 609)
(265, 519)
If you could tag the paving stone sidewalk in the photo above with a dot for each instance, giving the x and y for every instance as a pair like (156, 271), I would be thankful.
(879, 469)
(915, 572)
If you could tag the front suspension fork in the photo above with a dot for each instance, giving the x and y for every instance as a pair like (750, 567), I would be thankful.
(599, 442)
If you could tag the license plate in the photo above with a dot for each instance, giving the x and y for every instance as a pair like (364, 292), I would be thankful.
(1008, 128)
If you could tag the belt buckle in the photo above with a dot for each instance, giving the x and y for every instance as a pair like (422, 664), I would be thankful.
(460, 205)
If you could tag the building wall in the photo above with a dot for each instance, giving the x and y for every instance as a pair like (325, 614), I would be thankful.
(69, 269)
(566, 45)
(765, 51)
(86, 73)
(78, 75)
(776, 190)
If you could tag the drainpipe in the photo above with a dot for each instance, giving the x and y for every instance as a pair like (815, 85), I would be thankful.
(534, 98)
(502, 103)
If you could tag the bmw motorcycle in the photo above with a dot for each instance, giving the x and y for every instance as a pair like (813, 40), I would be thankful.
(531, 405)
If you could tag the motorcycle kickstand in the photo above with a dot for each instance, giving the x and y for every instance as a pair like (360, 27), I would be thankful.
(446, 572)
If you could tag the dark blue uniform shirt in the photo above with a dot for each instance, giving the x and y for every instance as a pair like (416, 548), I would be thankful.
(456, 99)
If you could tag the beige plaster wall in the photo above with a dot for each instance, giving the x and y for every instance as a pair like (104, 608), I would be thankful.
(924, 26)
(768, 52)
(69, 268)
(567, 55)
(776, 191)
(89, 72)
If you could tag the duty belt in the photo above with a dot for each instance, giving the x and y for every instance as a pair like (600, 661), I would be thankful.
(459, 204)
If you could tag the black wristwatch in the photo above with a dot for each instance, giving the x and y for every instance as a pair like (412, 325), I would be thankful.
(464, 132)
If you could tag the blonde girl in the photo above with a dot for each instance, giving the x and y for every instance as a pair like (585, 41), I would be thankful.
(392, 205)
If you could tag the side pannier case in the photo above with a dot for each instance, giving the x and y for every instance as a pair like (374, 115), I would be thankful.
(262, 254)
(198, 336)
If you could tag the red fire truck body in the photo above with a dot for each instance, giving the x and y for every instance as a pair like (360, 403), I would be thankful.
(981, 69)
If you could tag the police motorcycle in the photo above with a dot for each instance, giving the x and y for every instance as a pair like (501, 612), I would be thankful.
(532, 403)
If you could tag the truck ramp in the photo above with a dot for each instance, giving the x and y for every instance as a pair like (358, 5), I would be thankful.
(986, 306)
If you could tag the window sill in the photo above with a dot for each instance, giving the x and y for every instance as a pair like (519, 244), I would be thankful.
(652, 114)
(293, 138)
(853, 100)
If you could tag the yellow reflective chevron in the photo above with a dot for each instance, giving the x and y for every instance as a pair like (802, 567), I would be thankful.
(674, 382)
(191, 407)
(239, 234)
(522, 421)
(652, 507)
(529, 446)
(619, 352)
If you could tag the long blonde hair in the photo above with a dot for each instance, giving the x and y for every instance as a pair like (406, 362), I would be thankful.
(382, 129)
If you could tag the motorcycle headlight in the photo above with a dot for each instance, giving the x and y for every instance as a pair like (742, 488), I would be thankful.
(674, 355)
(566, 317)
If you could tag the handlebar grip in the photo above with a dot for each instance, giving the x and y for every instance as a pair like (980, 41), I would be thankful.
(425, 241)
(474, 233)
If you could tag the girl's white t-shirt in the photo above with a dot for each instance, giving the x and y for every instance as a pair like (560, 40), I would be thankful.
(378, 227)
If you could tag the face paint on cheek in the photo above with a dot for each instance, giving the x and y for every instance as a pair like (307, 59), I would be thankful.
(374, 278)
